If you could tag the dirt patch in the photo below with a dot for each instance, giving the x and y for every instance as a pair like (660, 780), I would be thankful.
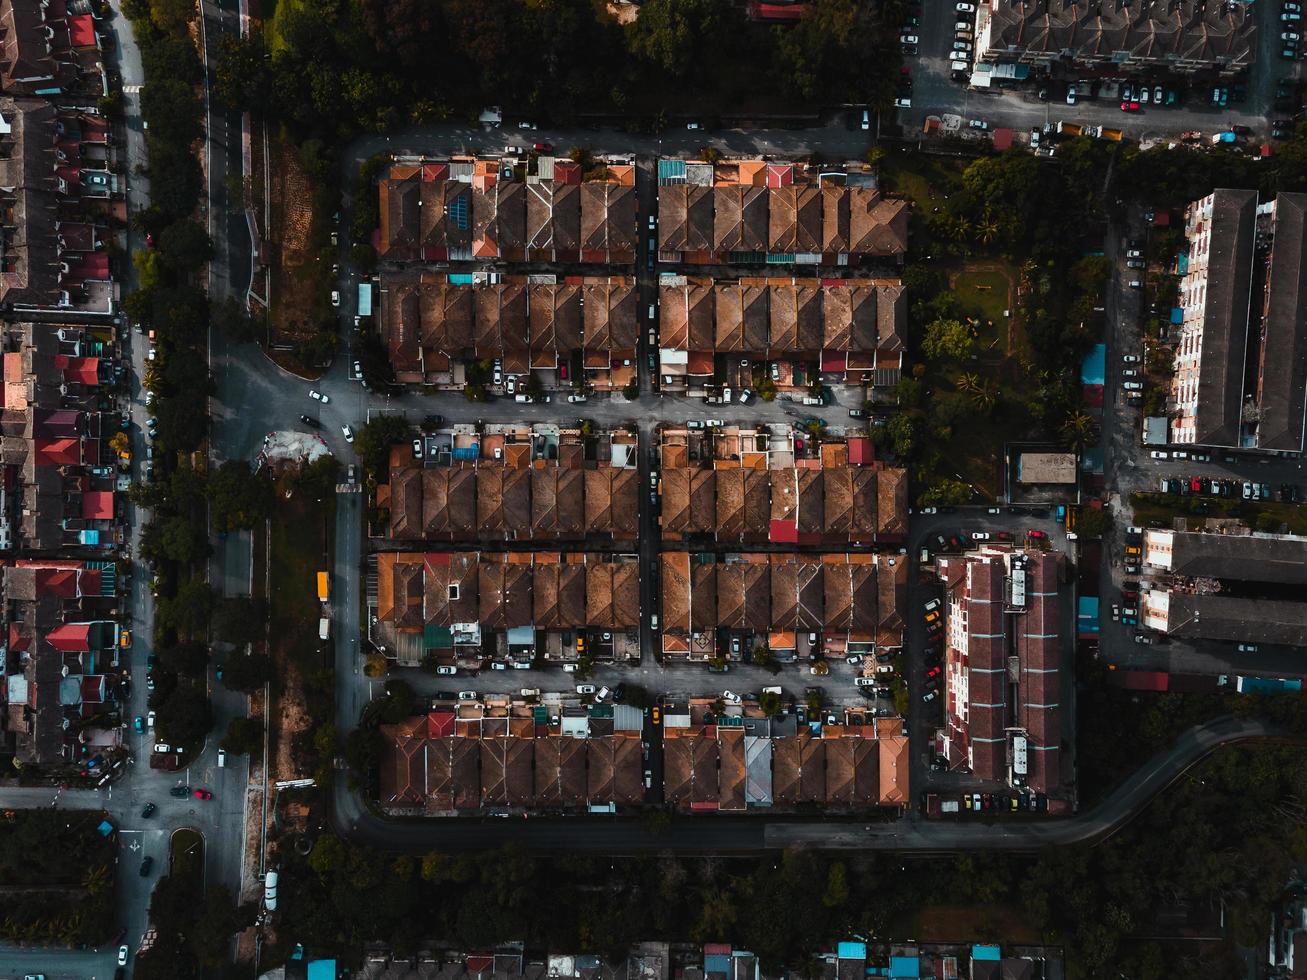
(298, 301)
(967, 923)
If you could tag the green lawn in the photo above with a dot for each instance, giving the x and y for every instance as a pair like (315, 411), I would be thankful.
(299, 552)
(922, 177)
(987, 290)
(186, 853)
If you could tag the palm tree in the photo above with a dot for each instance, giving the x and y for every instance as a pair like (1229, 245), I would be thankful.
(1079, 430)
(987, 231)
(985, 396)
(967, 381)
(96, 879)
(961, 228)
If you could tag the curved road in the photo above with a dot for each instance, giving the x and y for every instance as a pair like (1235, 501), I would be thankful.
(913, 833)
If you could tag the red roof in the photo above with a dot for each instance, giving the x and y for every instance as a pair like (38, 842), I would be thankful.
(780, 174)
(61, 582)
(93, 688)
(567, 172)
(70, 637)
(81, 31)
(97, 505)
(783, 532)
(83, 369)
(772, 11)
(834, 360)
(861, 451)
(440, 724)
(58, 452)
(1002, 138)
(17, 641)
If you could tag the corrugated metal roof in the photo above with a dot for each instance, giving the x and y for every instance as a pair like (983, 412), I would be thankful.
(671, 171)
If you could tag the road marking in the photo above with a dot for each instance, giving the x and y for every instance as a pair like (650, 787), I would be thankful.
(131, 89)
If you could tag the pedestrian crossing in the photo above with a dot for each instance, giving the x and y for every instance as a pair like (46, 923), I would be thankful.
(132, 89)
(349, 488)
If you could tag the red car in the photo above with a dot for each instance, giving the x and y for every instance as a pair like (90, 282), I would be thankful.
(1003, 535)
(933, 672)
(1034, 533)
(1131, 106)
(203, 794)
(543, 147)
(1195, 484)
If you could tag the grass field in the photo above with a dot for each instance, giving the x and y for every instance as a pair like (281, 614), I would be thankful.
(1165, 507)
(987, 290)
(186, 853)
(298, 554)
(974, 923)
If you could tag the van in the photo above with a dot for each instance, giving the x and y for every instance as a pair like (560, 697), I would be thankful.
(1136, 284)
(222, 758)
(651, 311)
(866, 120)
(811, 400)
(865, 681)
(521, 398)
(530, 692)
(603, 694)
(467, 695)
(772, 690)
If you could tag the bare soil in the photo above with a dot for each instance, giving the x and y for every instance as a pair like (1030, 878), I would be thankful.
(296, 291)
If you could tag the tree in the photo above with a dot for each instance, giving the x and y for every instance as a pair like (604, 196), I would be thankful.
(769, 702)
(188, 611)
(374, 440)
(680, 37)
(183, 247)
(947, 339)
(218, 919)
(328, 855)
(172, 16)
(837, 886)
(184, 717)
(238, 497)
(191, 659)
(244, 736)
(242, 77)
(631, 391)
(945, 491)
(902, 434)
(183, 540)
(172, 109)
(230, 316)
(240, 620)
(246, 672)
(1093, 522)
(1080, 430)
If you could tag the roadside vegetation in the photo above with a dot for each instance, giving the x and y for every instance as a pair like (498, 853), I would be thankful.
(1230, 827)
(57, 872)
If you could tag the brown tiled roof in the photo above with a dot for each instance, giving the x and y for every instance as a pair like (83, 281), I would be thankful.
(686, 317)
(730, 745)
(403, 768)
(892, 501)
(626, 595)
(729, 503)
(837, 585)
(1282, 385)
(703, 610)
(798, 769)
(877, 225)
(571, 595)
(599, 595)
(810, 512)
(891, 315)
(866, 615)
(517, 499)
(544, 502)
(440, 199)
(628, 770)
(695, 778)
(571, 501)
(674, 487)
(601, 758)
(987, 671)
(461, 571)
(625, 506)
(675, 579)
(834, 219)
(784, 594)
(454, 773)
(893, 770)
(852, 771)
(567, 217)
(406, 504)
(400, 216)
(784, 494)
(740, 223)
(490, 499)
(494, 770)
(703, 500)
(810, 583)
(560, 777)
(838, 505)
(401, 325)
(448, 314)
(891, 595)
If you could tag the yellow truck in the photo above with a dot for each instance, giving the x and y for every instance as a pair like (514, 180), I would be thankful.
(324, 587)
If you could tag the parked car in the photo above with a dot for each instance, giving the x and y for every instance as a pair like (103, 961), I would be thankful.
(148, 811)
(1247, 647)
(146, 865)
(318, 396)
(929, 696)
(203, 794)
(347, 432)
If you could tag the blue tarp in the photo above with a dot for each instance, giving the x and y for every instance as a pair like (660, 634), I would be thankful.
(467, 452)
(1182, 263)
(1268, 685)
(907, 967)
(717, 963)
(322, 970)
(1094, 367)
(1177, 315)
(989, 954)
(460, 279)
(365, 299)
(852, 951)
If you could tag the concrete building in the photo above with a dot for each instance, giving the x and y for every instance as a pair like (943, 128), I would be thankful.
(1003, 665)
(1240, 369)
(1181, 37)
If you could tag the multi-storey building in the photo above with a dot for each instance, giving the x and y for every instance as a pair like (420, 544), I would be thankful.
(1003, 665)
(1240, 376)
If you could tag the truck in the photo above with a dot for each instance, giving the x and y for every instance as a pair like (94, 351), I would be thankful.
(324, 587)
(1109, 134)
(937, 806)
(1070, 129)
(324, 628)
(1226, 137)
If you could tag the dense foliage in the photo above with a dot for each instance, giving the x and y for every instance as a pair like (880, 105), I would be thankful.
(1230, 830)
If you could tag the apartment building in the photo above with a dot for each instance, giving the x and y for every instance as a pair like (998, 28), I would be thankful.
(1242, 588)
(1003, 666)
(1181, 37)
(1240, 376)
(759, 212)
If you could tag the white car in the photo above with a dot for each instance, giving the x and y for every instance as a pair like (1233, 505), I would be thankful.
(1247, 647)
(932, 605)
(576, 399)
(510, 385)
(1289, 35)
(864, 681)
(1160, 454)
(962, 25)
(730, 697)
(348, 432)
(162, 747)
(1132, 386)
(335, 297)
(965, 8)
(123, 951)
(885, 669)
(1070, 95)
(446, 671)
(585, 689)
(693, 126)
(978, 124)
(1130, 359)
(467, 695)
(910, 39)
(714, 423)
(980, 536)
(569, 668)
(318, 396)
(149, 721)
